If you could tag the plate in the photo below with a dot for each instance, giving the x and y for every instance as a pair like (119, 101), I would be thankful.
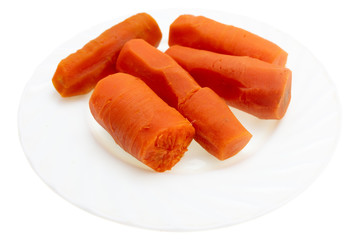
(80, 161)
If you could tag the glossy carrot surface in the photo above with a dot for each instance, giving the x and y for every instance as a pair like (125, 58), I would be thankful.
(140, 122)
(217, 129)
(79, 72)
(204, 33)
(251, 85)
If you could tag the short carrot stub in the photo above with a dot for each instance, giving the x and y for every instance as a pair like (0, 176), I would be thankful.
(251, 85)
(140, 122)
(217, 129)
(80, 71)
(204, 33)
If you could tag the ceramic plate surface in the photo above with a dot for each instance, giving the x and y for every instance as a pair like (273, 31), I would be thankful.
(80, 161)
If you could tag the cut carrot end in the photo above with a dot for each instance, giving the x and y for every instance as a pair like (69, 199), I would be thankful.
(168, 148)
(235, 146)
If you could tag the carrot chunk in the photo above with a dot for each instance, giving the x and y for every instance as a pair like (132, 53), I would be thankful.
(79, 72)
(204, 33)
(159, 71)
(251, 85)
(140, 122)
(217, 129)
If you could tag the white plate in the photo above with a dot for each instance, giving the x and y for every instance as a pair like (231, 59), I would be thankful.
(81, 162)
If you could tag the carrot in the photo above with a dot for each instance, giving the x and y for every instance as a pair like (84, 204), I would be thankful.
(204, 33)
(79, 72)
(216, 128)
(251, 85)
(159, 71)
(140, 122)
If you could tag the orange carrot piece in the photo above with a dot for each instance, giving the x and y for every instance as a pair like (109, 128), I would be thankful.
(159, 71)
(217, 129)
(79, 72)
(204, 33)
(251, 85)
(140, 122)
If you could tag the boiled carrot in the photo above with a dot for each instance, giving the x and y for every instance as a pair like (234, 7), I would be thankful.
(140, 122)
(216, 128)
(204, 33)
(249, 84)
(80, 71)
(159, 71)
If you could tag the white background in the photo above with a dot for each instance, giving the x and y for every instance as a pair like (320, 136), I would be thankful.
(31, 30)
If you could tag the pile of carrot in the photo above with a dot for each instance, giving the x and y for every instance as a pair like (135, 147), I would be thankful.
(155, 103)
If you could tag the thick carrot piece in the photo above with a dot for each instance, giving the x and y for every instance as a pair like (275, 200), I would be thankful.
(217, 129)
(159, 71)
(204, 33)
(79, 72)
(140, 122)
(251, 85)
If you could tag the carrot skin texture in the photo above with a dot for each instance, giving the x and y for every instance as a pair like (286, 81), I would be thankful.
(251, 85)
(79, 72)
(217, 129)
(204, 33)
(140, 122)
